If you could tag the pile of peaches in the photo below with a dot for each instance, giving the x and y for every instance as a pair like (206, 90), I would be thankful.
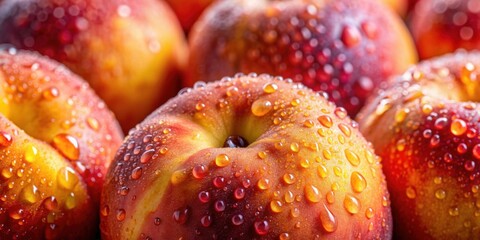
(239, 119)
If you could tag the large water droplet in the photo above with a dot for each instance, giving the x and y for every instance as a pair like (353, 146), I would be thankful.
(67, 145)
(328, 220)
(358, 182)
(261, 227)
(261, 107)
(351, 204)
(67, 178)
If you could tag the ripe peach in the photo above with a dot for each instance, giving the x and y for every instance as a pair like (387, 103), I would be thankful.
(247, 157)
(424, 125)
(342, 47)
(128, 51)
(442, 26)
(188, 11)
(57, 140)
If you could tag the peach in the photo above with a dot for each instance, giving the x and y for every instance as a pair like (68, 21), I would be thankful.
(424, 126)
(57, 140)
(248, 157)
(128, 50)
(344, 47)
(442, 26)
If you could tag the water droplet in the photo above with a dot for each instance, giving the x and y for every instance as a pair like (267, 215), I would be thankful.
(206, 221)
(237, 219)
(411, 193)
(441, 123)
(284, 236)
(289, 197)
(312, 193)
(93, 123)
(261, 227)
(50, 93)
(204, 196)
(7, 172)
(199, 106)
(401, 115)
(369, 213)
(358, 182)
(308, 123)
(262, 154)
(351, 204)
(222, 160)
(136, 173)
(263, 184)
(322, 171)
(330, 197)
(440, 194)
(270, 88)
(328, 220)
(67, 145)
(261, 107)
(70, 201)
(469, 165)
(5, 139)
(16, 213)
(239, 193)
(30, 153)
(458, 127)
(326, 121)
(400, 146)
(289, 178)
(295, 147)
(181, 215)
(345, 129)
(157, 221)
(276, 206)
(199, 171)
(219, 206)
(147, 156)
(120, 214)
(352, 157)
(476, 151)
(30, 194)
(351, 36)
(219, 182)
(341, 112)
(383, 106)
(67, 178)
(51, 204)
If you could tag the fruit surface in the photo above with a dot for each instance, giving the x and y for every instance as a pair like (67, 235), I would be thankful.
(442, 26)
(57, 140)
(248, 157)
(425, 127)
(128, 50)
(188, 11)
(345, 48)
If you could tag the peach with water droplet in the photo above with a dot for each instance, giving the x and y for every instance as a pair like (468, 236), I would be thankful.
(129, 51)
(234, 169)
(430, 155)
(51, 172)
(442, 26)
(343, 47)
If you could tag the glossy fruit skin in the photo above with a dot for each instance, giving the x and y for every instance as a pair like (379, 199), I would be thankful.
(306, 173)
(57, 140)
(450, 24)
(424, 126)
(188, 11)
(130, 52)
(339, 47)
